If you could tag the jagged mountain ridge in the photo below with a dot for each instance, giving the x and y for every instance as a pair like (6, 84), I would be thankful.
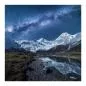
(45, 45)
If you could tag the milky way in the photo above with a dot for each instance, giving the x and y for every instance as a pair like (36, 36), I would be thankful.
(33, 22)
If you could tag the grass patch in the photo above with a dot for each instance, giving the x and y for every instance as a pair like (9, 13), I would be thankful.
(15, 65)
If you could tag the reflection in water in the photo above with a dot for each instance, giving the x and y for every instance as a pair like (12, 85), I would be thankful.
(62, 67)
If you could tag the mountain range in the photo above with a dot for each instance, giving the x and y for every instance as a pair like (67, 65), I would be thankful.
(65, 39)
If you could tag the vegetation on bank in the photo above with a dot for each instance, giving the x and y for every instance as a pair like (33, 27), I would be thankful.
(15, 65)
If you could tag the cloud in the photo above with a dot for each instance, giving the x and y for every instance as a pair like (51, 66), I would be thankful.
(9, 29)
(40, 21)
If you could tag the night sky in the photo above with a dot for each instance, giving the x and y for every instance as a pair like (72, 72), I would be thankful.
(41, 21)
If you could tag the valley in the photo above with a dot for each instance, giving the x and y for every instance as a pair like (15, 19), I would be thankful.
(27, 66)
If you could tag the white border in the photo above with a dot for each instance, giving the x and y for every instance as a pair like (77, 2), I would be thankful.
(29, 2)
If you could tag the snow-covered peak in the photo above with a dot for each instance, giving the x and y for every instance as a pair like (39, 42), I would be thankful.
(43, 44)
(78, 36)
(65, 34)
(42, 40)
(64, 38)
(20, 41)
